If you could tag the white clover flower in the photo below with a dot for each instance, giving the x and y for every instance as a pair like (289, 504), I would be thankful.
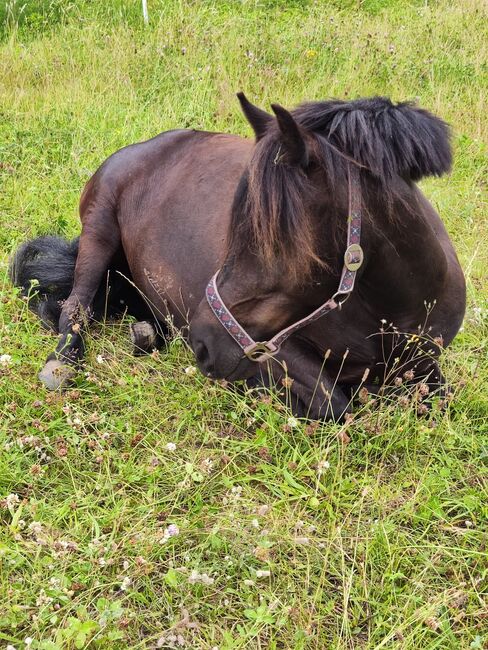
(11, 647)
(190, 371)
(5, 360)
(100, 359)
(293, 422)
(125, 583)
(12, 500)
(28, 641)
(35, 527)
(322, 466)
(206, 465)
(202, 578)
(236, 491)
(170, 446)
(263, 573)
(255, 523)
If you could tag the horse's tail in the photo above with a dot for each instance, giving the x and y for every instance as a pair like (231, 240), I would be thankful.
(44, 269)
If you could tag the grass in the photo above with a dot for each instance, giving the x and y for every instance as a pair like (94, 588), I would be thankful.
(288, 536)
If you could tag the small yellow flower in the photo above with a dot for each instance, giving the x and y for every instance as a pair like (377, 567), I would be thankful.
(310, 54)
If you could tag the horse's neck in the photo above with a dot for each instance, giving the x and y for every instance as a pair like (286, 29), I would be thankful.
(405, 250)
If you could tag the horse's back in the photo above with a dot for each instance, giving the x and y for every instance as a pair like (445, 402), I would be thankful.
(170, 199)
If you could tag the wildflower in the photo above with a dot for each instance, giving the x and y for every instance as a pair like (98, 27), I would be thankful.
(12, 500)
(171, 531)
(310, 54)
(287, 382)
(100, 359)
(5, 360)
(261, 553)
(206, 465)
(191, 371)
(11, 647)
(255, 523)
(28, 641)
(322, 466)
(263, 510)
(202, 578)
(263, 573)
(364, 395)
(292, 422)
(43, 599)
(170, 446)
(249, 583)
(302, 540)
(403, 401)
(409, 375)
(423, 389)
(125, 584)
(398, 381)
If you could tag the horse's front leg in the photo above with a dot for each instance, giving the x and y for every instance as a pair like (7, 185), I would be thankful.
(98, 243)
(298, 371)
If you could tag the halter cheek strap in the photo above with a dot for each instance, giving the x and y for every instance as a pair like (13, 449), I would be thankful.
(353, 259)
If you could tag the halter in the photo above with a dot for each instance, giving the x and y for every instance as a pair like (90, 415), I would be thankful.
(353, 258)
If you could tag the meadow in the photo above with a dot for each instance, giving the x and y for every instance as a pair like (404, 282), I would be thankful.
(148, 507)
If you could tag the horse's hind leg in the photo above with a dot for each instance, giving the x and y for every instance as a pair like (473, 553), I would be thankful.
(99, 241)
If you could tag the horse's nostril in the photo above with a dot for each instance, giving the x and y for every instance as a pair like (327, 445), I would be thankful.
(201, 353)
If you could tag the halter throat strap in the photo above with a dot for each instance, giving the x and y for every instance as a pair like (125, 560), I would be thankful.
(353, 258)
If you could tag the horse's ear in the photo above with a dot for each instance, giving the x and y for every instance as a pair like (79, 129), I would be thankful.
(293, 139)
(257, 118)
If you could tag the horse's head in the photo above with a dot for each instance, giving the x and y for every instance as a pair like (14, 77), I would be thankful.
(277, 268)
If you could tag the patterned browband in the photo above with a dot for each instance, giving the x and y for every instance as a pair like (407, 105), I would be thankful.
(353, 258)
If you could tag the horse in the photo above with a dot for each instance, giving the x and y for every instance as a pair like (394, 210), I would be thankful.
(306, 257)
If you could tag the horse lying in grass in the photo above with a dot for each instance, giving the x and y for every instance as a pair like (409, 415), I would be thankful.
(318, 229)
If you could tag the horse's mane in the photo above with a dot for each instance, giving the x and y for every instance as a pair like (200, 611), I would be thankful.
(386, 140)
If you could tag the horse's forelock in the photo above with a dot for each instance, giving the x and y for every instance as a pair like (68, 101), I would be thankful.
(270, 212)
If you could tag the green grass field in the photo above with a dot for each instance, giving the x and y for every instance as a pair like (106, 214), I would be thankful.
(150, 508)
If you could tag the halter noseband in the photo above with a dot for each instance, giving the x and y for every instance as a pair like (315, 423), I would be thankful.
(353, 259)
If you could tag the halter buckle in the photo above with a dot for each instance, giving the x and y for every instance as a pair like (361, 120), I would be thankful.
(260, 350)
(353, 257)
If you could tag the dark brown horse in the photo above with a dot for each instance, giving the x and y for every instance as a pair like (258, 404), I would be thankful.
(169, 212)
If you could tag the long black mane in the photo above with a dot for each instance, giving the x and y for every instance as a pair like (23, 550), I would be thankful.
(271, 210)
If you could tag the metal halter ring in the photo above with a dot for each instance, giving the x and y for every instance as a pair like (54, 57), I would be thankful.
(259, 350)
(353, 257)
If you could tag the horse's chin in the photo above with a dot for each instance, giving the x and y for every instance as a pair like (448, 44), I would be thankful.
(243, 370)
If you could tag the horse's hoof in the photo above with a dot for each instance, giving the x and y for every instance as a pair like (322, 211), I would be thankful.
(143, 336)
(56, 375)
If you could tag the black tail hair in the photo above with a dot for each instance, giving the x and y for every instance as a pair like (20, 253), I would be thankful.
(44, 269)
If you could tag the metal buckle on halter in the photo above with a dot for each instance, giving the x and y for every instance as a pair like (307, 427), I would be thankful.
(350, 257)
(259, 350)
